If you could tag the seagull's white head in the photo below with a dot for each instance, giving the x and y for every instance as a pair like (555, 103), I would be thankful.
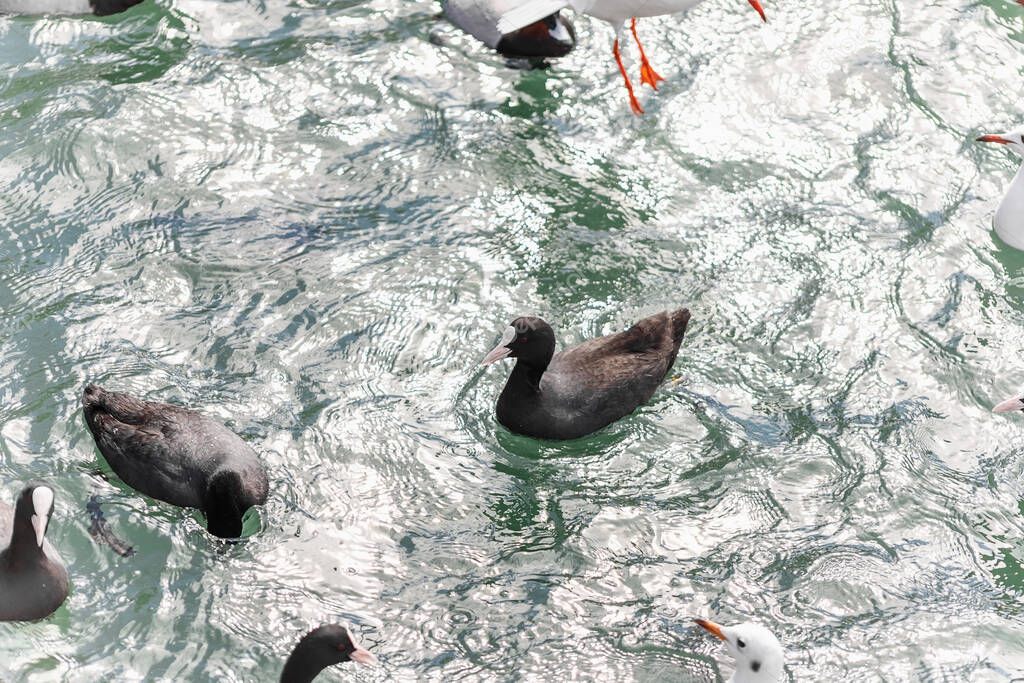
(757, 651)
(1013, 140)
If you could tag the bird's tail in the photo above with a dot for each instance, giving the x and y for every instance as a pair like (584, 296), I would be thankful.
(527, 13)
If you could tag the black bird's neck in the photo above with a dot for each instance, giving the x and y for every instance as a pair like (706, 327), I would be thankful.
(525, 378)
(300, 667)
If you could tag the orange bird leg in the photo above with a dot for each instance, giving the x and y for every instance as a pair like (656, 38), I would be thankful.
(647, 73)
(634, 105)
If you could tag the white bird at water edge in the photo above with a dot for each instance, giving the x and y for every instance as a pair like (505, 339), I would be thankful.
(758, 653)
(615, 12)
(1009, 218)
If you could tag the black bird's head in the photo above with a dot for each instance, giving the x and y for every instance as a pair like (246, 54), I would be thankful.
(320, 648)
(552, 36)
(529, 339)
(225, 504)
(33, 510)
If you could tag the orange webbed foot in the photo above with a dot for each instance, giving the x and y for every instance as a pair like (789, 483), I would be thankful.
(647, 73)
(651, 77)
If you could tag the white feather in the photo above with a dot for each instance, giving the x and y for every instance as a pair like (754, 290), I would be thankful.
(529, 12)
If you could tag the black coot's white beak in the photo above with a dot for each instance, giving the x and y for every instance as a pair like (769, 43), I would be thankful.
(364, 657)
(42, 506)
(496, 354)
(360, 654)
(1010, 405)
(501, 350)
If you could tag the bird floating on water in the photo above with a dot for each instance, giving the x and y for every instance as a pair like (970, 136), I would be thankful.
(99, 8)
(550, 36)
(320, 648)
(758, 653)
(178, 456)
(1009, 218)
(615, 12)
(582, 389)
(33, 580)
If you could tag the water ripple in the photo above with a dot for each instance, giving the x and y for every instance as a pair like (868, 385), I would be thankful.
(311, 221)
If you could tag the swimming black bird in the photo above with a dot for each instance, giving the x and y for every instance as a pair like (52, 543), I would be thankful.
(550, 36)
(99, 8)
(582, 389)
(33, 580)
(178, 456)
(319, 649)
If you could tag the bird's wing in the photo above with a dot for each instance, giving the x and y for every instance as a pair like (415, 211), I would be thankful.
(529, 12)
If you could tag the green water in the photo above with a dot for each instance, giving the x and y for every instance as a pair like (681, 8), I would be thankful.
(312, 220)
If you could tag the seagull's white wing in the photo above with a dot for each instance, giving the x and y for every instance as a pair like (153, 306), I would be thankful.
(529, 12)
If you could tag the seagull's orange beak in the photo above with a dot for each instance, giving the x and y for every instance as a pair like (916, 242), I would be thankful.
(994, 138)
(756, 4)
(711, 627)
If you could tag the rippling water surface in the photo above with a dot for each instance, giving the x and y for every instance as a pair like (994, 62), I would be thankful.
(311, 220)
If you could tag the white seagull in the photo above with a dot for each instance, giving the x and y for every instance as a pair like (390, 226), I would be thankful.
(757, 651)
(615, 12)
(1009, 219)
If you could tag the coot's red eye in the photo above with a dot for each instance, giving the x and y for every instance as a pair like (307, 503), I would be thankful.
(520, 340)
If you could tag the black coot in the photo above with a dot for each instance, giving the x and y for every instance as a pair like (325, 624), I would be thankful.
(320, 648)
(177, 456)
(33, 580)
(552, 36)
(582, 389)
(99, 8)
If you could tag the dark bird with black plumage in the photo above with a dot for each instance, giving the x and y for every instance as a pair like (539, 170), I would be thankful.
(178, 456)
(320, 648)
(33, 579)
(99, 8)
(575, 392)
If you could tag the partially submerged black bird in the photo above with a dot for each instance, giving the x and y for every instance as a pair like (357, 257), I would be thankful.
(551, 36)
(33, 580)
(178, 456)
(582, 389)
(99, 8)
(320, 648)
